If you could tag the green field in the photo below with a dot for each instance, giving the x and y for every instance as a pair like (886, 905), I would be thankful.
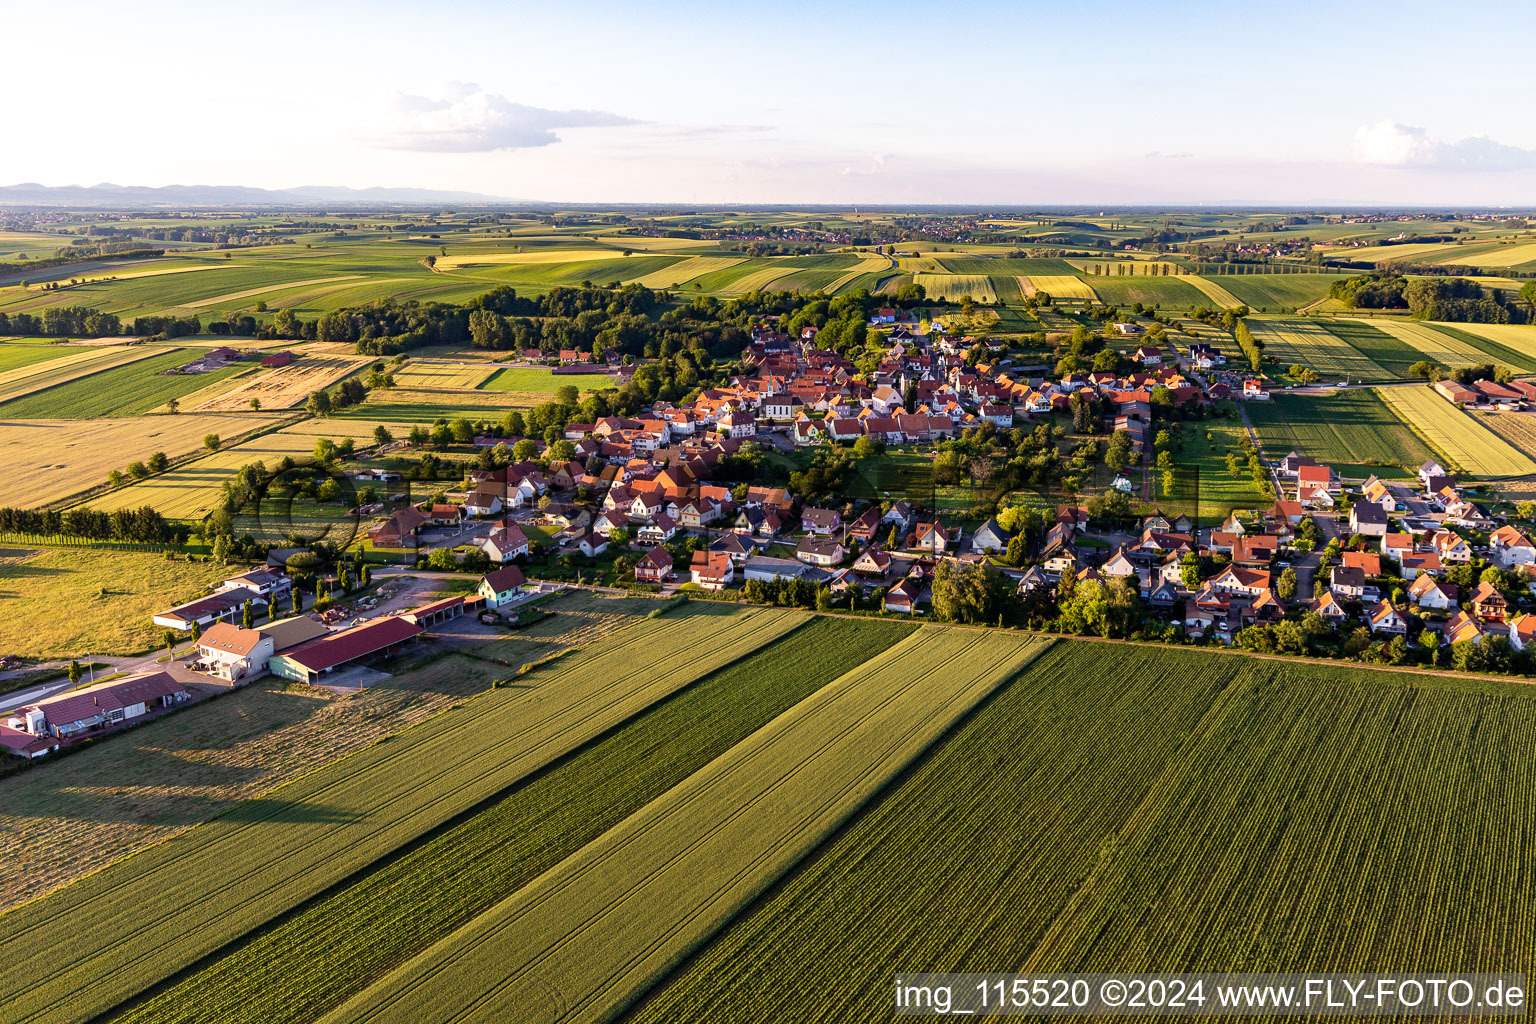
(1312, 345)
(14, 356)
(1163, 292)
(1344, 429)
(1389, 352)
(138, 387)
(217, 883)
(111, 596)
(603, 925)
(1134, 809)
(1202, 463)
(533, 384)
(334, 945)
(1274, 292)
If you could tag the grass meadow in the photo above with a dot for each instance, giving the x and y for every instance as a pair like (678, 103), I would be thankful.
(110, 596)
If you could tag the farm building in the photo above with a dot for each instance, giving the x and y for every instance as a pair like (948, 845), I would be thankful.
(277, 359)
(308, 662)
(230, 652)
(102, 706)
(436, 613)
(400, 529)
(205, 611)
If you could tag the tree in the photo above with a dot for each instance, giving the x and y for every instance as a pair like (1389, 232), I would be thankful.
(298, 601)
(1285, 586)
(211, 442)
(74, 673)
(221, 548)
(197, 631)
(866, 447)
(567, 394)
(174, 406)
(965, 593)
(381, 435)
(246, 615)
(319, 404)
(1189, 571)
(525, 449)
(1016, 550)
(169, 636)
(158, 462)
(256, 404)
(325, 449)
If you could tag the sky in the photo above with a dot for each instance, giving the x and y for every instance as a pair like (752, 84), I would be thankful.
(890, 103)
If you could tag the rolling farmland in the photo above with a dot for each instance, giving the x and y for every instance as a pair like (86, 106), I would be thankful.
(432, 373)
(314, 367)
(1164, 292)
(336, 945)
(53, 459)
(1467, 443)
(598, 929)
(16, 357)
(1213, 291)
(955, 287)
(217, 882)
(1519, 338)
(80, 361)
(1518, 428)
(686, 272)
(532, 385)
(141, 386)
(71, 820)
(1383, 348)
(1193, 824)
(1062, 286)
(1353, 427)
(1436, 346)
(1313, 345)
(1278, 291)
(190, 491)
(110, 594)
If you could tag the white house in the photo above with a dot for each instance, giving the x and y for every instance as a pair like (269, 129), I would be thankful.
(230, 652)
(501, 586)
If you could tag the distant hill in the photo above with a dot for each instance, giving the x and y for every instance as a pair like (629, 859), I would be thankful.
(106, 194)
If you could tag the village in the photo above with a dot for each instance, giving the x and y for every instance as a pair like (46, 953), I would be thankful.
(657, 499)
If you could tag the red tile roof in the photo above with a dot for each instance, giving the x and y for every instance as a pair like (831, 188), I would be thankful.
(339, 648)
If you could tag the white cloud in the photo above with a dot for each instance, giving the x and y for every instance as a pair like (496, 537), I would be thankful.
(1391, 144)
(470, 120)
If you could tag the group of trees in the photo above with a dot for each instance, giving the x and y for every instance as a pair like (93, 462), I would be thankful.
(141, 524)
(1454, 299)
(63, 322)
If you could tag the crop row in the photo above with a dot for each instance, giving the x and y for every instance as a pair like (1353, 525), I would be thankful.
(597, 930)
(116, 933)
(1119, 809)
(1322, 821)
(1313, 345)
(965, 863)
(336, 945)
(1469, 444)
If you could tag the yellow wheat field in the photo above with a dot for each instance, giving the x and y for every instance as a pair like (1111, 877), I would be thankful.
(1442, 348)
(1213, 291)
(1063, 286)
(1456, 434)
